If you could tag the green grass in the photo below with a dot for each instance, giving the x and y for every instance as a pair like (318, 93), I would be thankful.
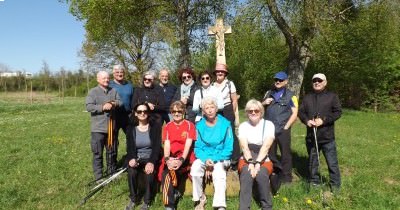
(46, 161)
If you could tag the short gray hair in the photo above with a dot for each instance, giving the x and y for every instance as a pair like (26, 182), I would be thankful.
(208, 100)
(118, 67)
(151, 73)
(102, 73)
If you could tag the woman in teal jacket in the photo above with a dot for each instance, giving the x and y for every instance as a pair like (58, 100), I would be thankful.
(213, 150)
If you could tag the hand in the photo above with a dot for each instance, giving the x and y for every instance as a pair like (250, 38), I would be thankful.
(133, 163)
(178, 164)
(107, 106)
(318, 122)
(311, 123)
(184, 99)
(149, 168)
(268, 101)
(251, 169)
(170, 163)
(255, 170)
(208, 176)
(151, 106)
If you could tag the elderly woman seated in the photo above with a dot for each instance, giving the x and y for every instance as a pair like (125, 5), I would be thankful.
(255, 136)
(213, 150)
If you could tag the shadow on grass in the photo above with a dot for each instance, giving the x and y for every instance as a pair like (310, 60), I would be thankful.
(300, 165)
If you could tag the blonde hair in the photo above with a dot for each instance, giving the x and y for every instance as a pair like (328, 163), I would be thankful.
(254, 103)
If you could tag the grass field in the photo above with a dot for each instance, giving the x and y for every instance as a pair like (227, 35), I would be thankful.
(46, 161)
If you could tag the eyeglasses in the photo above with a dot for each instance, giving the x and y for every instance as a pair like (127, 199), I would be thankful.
(317, 80)
(142, 111)
(177, 111)
(205, 78)
(251, 111)
(186, 77)
(147, 79)
(278, 80)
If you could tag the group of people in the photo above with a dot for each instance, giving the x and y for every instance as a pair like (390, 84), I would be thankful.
(188, 131)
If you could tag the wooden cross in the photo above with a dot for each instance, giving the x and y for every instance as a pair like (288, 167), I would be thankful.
(219, 30)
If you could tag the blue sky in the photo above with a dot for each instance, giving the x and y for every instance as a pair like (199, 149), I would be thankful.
(33, 31)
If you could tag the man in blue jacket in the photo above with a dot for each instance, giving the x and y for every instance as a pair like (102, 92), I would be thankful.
(281, 108)
(124, 89)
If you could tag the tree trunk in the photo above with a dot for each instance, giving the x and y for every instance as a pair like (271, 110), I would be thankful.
(183, 36)
(298, 49)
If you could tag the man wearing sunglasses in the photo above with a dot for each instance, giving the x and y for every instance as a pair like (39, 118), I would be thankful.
(281, 108)
(318, 111)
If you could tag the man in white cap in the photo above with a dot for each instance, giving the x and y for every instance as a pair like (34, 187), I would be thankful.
(319, 111)
(281, 108)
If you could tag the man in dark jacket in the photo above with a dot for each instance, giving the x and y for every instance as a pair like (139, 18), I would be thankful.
(281, 109)
(319, 111)
(168, 90)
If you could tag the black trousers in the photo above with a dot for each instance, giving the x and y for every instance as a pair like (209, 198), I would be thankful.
(98, 142)
(121, 122)
(229, 114)
(283, 140)
(330, 154)
(133, 182)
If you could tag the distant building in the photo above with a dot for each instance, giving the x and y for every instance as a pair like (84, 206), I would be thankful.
(16, 74)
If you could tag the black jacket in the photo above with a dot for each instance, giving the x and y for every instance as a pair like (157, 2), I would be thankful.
(155, 137)
(327, 106)
(154, 95)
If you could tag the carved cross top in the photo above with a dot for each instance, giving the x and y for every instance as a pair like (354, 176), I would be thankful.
(219, 30)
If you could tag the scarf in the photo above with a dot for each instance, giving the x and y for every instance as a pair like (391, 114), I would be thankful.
(185, 89)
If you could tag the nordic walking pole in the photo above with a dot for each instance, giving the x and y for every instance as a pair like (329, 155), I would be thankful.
(97, 188)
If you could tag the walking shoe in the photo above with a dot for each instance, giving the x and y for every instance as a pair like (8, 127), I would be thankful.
(199, 205)
(169, 208)
(220, 208)
(145, 206)
(130, 206)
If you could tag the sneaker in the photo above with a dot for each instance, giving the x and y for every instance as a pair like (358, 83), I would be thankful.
(199, 205)
(220, 208)
(169, 208)
(130, 206)
(145, 206)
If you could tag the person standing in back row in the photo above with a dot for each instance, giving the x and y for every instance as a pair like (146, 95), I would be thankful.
(319, 111)
(101, 103)
(124, 89)
(169, 92)
(228, 92)
(281, 108)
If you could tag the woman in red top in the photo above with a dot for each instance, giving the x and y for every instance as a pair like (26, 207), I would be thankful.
(178, 137)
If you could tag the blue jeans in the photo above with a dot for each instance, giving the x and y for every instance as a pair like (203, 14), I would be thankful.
(330, 154)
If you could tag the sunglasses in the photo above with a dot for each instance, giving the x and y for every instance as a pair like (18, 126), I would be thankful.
(205, 78)
(251, 111)
(219, 72)
(186, 77)
(147, 79)
(278, 80)
(317, 80)
(142, 111)
(177, 112)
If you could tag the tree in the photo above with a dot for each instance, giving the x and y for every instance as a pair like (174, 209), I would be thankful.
(189, 19)
(123, 29)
